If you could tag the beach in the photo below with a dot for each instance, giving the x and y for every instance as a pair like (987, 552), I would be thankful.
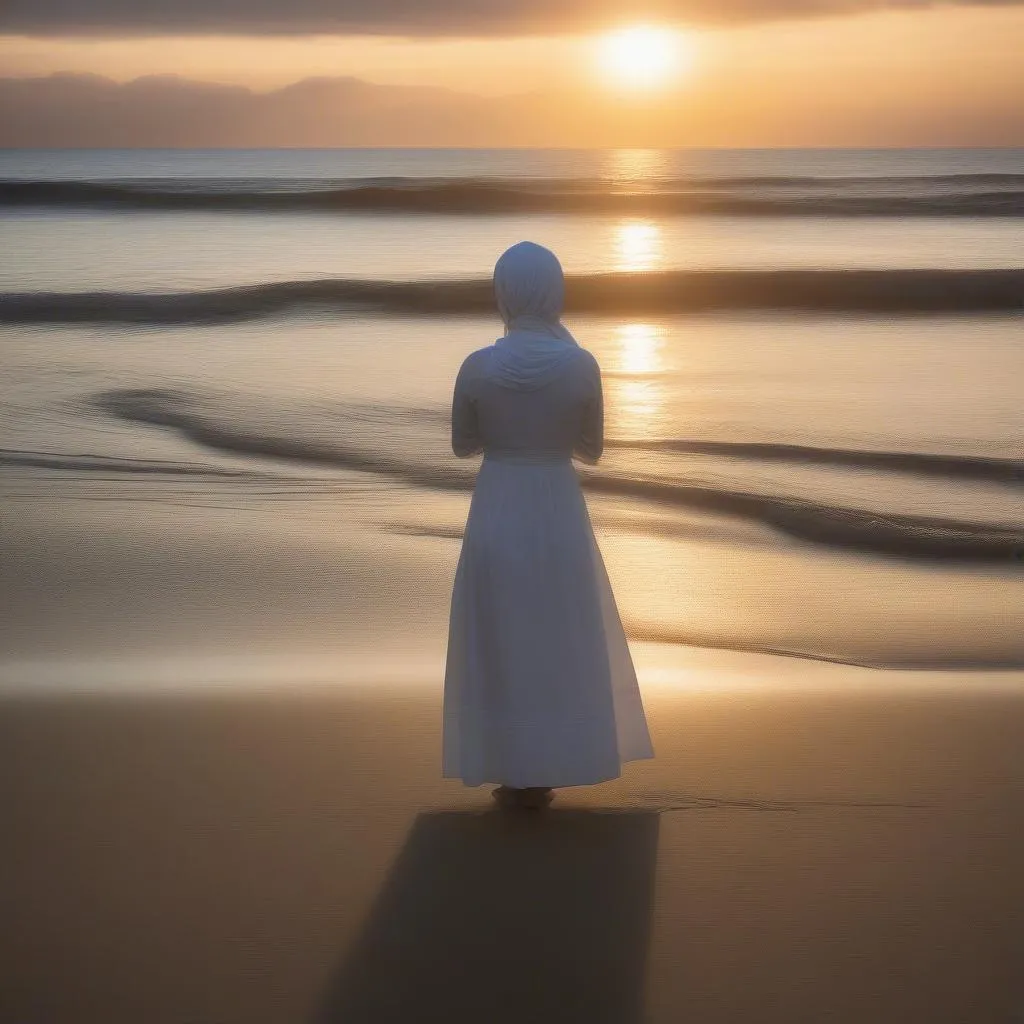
(291, 855)
(220, 769)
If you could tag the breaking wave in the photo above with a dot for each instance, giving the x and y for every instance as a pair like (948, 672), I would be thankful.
(968, 195)
(672, 291)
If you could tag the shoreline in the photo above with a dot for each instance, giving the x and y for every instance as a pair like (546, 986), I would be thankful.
(666, 668)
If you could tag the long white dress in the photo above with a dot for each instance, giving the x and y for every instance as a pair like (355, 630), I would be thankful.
(540, 688)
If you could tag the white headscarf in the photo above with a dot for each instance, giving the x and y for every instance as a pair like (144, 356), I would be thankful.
(529, 287)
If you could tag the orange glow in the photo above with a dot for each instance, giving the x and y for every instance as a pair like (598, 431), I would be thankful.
(943, 75)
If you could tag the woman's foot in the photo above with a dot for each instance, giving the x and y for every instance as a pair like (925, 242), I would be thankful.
(532, 797)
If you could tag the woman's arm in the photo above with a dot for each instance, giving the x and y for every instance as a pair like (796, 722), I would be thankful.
(590, 443)
(465, 422)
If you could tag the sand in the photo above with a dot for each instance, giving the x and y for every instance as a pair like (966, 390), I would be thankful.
(286, 857)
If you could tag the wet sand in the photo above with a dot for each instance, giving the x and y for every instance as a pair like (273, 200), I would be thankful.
(292, 856)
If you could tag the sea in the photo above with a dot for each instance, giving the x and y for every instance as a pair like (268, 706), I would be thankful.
(224, 448)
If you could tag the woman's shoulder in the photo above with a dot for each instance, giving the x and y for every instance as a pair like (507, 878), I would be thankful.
(585, 364)
(476, 363)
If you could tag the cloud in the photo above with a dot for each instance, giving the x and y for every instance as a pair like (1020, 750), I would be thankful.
(465, 18)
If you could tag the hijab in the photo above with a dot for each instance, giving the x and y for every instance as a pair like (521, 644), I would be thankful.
(529, 288)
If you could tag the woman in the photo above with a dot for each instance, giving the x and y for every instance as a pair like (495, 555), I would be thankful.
(540, 689)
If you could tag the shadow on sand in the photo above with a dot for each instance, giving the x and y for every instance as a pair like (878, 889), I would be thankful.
(507, 917)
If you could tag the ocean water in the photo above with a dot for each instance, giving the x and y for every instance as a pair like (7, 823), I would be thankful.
(227, 374)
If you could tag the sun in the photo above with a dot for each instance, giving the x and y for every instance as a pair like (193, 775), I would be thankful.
(642, 57)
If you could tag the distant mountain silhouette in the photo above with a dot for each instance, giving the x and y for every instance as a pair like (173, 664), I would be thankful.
(166, 110)
(77, 110)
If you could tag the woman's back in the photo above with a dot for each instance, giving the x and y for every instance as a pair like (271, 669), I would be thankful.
(556, 415)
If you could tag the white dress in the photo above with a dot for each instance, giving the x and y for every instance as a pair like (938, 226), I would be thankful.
(540, 688)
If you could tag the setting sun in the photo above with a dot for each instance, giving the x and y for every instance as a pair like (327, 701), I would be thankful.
(641, 57)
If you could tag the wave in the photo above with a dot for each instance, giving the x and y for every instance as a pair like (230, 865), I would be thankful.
(111, 464)
(630, 294)
(181, 412)
(962, 467)
(139, 406)
(835, 526)
(977, 195)
(1008, 658)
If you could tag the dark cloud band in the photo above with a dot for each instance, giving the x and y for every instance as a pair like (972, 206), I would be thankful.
(402, 17)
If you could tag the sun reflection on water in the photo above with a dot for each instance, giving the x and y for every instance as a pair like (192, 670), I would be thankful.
(639, 345)
(635, 167)
(638, 393)
(637, 245)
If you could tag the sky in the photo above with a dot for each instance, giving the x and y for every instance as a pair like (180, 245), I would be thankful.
(534, 72)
